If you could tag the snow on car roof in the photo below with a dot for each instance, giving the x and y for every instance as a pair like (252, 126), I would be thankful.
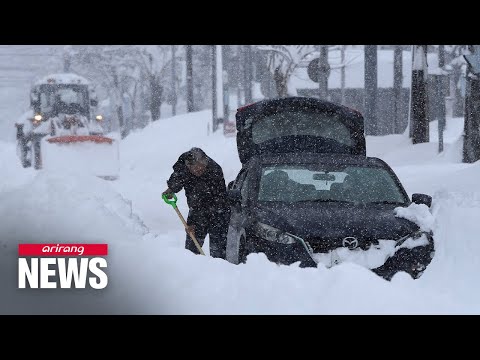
(62, 78)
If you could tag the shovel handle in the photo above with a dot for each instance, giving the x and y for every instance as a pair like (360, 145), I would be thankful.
(170, 201)
(173, 201)
(192, 235)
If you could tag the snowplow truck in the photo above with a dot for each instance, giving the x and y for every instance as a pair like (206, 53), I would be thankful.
(62, 128)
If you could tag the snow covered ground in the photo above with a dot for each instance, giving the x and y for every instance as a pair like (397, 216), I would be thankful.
(151, 273)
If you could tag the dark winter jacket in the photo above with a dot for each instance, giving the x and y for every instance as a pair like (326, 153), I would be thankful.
(204, 193)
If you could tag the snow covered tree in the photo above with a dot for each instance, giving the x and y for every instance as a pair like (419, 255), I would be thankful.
(282, 61)
(156, 62)
(135, 77)
(201, 77)
(202, 70)
(455, 63)
(111, 66)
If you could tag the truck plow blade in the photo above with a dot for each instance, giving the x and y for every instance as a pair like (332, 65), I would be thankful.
(99, 139)
(92, 154)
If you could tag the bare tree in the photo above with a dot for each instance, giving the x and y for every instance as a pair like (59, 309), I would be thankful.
(156, 62)
(455, 62)
(110, 66)
(282, 60)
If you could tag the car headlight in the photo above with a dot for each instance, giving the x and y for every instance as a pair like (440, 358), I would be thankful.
(270, 233)
(99, 117)
(415, 235)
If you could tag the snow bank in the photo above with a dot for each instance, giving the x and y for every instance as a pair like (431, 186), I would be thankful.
(13, 174)
(71, 207)
(198, 285)
(68, 208)
(454, 268)
(398, 150)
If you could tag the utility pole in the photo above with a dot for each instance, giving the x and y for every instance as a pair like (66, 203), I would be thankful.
(174, 83)
(471, 138)
(342, 75)
(248, 73)
(239, 58)
(323, 71)
(370, 79)
(219, 82)
(189, 63)
(226, 92)
(214, 87)
(419, 114)
(397, 87)
(440, 98)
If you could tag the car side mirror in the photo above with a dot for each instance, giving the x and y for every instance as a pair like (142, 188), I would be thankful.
(234, 196)
(422, 199)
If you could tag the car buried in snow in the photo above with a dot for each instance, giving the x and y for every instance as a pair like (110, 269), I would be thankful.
(308, 194)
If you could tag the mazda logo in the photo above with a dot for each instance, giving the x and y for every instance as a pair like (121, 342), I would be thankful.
(350, 242)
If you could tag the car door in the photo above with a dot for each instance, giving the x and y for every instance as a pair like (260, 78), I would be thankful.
(239, 212)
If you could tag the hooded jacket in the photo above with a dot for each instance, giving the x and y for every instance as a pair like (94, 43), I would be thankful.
(204, 193)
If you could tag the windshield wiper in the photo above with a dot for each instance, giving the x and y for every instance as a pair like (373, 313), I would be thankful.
(327, 200)
(386, 202)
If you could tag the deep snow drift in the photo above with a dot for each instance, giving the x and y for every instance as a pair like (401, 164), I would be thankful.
(151, 273)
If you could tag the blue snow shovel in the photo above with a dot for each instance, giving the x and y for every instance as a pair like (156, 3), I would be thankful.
(173, 201)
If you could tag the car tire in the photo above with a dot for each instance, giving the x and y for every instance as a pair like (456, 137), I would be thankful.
(36, 154)
(23, 154)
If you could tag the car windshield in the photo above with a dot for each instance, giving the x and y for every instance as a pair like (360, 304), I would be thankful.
(317, 183)
(297, 123)
(63, 98)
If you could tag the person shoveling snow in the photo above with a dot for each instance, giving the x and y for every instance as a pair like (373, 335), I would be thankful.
(209, 211)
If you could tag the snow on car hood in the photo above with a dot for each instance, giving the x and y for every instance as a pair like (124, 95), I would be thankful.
(372, 258)
(419, 214)
(377, 255)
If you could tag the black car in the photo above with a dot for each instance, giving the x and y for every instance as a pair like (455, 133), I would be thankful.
(318, 198)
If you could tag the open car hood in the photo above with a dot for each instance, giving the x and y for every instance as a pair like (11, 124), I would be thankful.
(298, 124)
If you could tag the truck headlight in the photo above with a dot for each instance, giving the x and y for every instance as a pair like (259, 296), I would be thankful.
(270, 233)
(37, 118)
(99, 117)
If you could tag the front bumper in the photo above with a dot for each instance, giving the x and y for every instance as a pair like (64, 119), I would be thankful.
(394, 258)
